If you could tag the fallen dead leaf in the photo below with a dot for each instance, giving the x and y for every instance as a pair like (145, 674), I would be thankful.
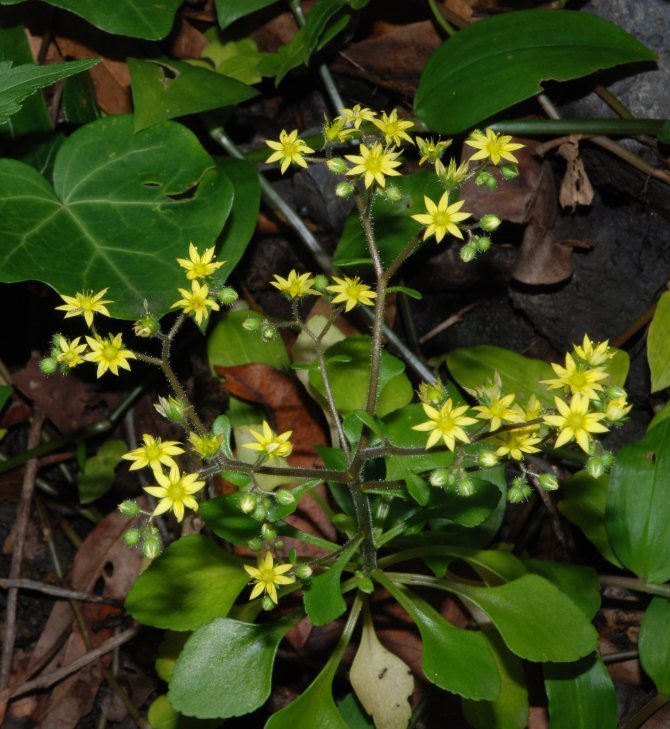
(576, 188)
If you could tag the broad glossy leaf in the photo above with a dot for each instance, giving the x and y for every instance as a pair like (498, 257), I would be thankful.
(79, 103)
(580, 695)
(583, 503)
(228, 11)
(323, 597)
(227, 520)
(506, 58)
(225, 668)
(349, 380)
(579, 583)
(618, 367)
(658, 345)
(161, 715)
(165, 89)
(638, 505)
(510, 709)
(229, 344)
(190, 584)
(472, 367)
(654, 643)
(383, 682)
(150, 19)
(560, 631)
(394, 226)
(19, 82)
(454, 659)
(122, 208)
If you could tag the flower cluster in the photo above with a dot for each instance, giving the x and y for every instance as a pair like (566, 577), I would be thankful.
(199, 268)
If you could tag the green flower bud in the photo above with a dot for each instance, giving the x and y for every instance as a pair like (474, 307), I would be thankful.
(268, 604)
(129, 508)
(482, 178)
(252, 324)
(151, 547)
(171, 408)
(393, 193)
(255, 544)
(489, 222)
(344, 190)
(146, 326)
(303, 572)
(268, 332)
(491, 183)
(248, 503)
(284, 497)
(465, 487)
(488, 459)
(614, 393)
(365, 584)
(440, 477)
(468, 253)
(607, 459)
(482, 243)
(228, 296)
(279, 543)
(320, 282)
(131, 537)
(260, 512)
(48, 365)
(293, 555)
(519, 491)
(434, 393)
(268, 533)
(595, 467)
(509, 171)
(337, 166)
(548, 481)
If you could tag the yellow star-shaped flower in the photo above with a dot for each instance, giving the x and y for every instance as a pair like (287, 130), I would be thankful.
(393, 128)
(70, 354)
(267, 576)
(579, 379)
(199, 266)
(575, 422)
(271, 444)
(109, 353)
(356, 115)
(374, 163)
(196, 301)
(85, 304)
(442, 218)
(175, 491)
(351, 291)
(154, 453)
(288, 149)
(593, 355)
(296, 285)
(445, 424)
(493, 146)
(515, 443)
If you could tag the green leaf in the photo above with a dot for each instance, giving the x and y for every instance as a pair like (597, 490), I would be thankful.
(228, 11)
(638, 505)
(454, 659)
(661, 415)
(227, 520)
(323, 597)
(580, 584)
(241, 224)
(99, 471)
(230, 344)
(658, 345)
(5, 393)
(33, 117)
(164, 89)
(412, 293)
(150, 19)
(162, 716)
(349, 380)
(190, 584)
(168, 652)
(122, 208)
(654, 643)
(19, 82)
(560, 631)
(618, 367)
(580, 694)
(472, 367)
(583, 503)
(225, 668)
(353, 713)
(507, 56)
(79, 103)
(510, 709)
(417, 488)
(315, 701)
(394, 226)
(222, 427)
(318, 22)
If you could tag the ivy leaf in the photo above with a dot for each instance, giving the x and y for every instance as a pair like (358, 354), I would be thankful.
(150, 19)
(507, 56)
(122, 208)
(19, 82)
(190, 584)
(225, 668)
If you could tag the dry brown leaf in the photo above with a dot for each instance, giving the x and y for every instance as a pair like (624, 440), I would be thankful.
(188, 41)
(576, 188)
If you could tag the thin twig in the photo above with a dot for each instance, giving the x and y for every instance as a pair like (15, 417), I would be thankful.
(59, 592)
(22, 516)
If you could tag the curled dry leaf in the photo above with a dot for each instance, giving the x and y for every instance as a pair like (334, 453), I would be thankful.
(382, 682)
(576, 188)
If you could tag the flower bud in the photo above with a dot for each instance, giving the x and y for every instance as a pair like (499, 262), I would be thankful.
(48, 365)
(146, 326)
(344, 190)
(614, 393)
(303, 572)
(468, 253)
(489, 222)
(151, 547)
(248, 503)
(252, 324)
(491, 183)
(228, 296)
(393, 193)
(440, 477)
(488, 459)
(268, 332)
(279, 543)
(434, 393)
(284, 497)
(260, 512)
(293, 555)
(337, 166)
(131, 537)
(607, 459)
(519, 491)
(171, 408)
(365, 584)
(595, 467)
(268, 603)
(255, 544)
(320, 282)
(129, 508)
(548, 482)
(481, 242)
(509, 172)
(268, 533)
(482, 178)
(465, 487)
